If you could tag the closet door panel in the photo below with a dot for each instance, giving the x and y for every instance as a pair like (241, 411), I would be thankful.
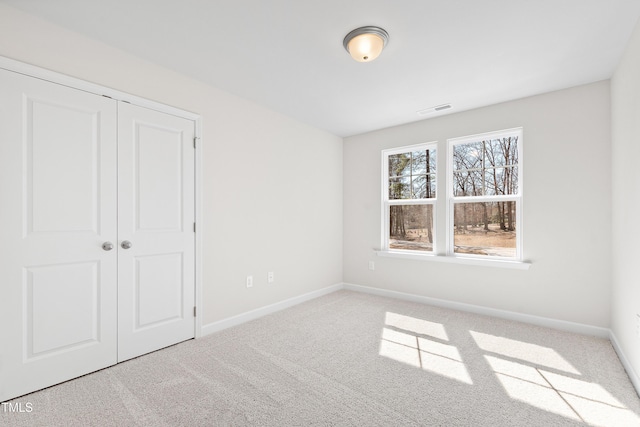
(58, 191)
(156, 278)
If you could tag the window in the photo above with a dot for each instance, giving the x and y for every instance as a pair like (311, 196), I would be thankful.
(483, 200)
(409, 197)
(485, 195)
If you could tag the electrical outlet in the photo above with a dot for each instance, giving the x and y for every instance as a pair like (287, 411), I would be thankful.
(249, 281)
(270, 277)
(372, 265)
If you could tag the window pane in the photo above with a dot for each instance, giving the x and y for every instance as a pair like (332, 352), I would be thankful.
(424, 162)
(400, 188)
(509, 150)
(502, 151)
(411, 227)
(419, 161)
(494, 155)
(467, 156)
(485, 228)
(420, 186)
(501, 181)
(467, 183)
(424, 187)
(432, 180)
(400, 164)
(432, 160)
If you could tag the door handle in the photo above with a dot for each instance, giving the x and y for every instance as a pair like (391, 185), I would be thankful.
(107, 246)
(126, 244)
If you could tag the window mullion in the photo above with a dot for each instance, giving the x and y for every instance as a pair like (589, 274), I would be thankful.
(404, 202)
(485, 199)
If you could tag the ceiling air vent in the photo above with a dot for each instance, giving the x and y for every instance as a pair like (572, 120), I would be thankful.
(434, 110)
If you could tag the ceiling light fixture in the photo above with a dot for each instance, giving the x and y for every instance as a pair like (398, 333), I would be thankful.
(365, 44)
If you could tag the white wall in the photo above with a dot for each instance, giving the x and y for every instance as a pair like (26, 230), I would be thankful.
(625, 109)
(272, 186)
(567, 213)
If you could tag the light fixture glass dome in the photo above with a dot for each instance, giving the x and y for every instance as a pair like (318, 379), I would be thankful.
(365, 44)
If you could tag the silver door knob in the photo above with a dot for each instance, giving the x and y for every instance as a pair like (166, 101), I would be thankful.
(107, 246)
(126, 244)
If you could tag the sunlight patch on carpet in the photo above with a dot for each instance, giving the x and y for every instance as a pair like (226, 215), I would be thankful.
(536, 395)
(404, 341)
(561, 394)
(601, 414)
(533, 353)
(416, 326)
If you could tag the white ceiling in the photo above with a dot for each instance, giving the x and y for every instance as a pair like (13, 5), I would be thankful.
(287, 55)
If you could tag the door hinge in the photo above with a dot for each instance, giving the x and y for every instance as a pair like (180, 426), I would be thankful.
(194, 311)
(194, 227)
(195, 138)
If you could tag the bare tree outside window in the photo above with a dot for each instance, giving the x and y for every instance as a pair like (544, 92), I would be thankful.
(478, 230)
(411, 227)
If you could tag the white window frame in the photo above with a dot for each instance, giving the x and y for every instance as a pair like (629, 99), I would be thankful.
(451, 199)
(387, 203)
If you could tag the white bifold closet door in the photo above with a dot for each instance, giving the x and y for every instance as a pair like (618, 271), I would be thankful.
(80, 174)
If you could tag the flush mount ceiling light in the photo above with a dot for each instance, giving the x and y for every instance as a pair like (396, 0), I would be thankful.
(365, 44)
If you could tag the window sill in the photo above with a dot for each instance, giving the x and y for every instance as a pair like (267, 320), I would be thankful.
(514, 265)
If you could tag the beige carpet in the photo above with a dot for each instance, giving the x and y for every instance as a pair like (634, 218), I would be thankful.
(350, 359)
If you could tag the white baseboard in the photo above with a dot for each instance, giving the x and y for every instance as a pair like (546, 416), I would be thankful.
(546, 322)
(633, 376)
(563, 325)
(263, 311)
